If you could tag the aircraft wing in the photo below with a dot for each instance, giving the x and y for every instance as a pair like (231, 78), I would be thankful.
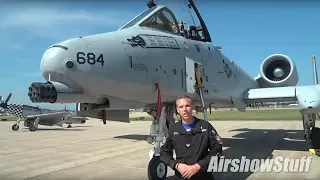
(308, 97)
(51, 115)
(270, 94)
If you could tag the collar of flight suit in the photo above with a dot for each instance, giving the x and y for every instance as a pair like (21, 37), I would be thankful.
(196, 128)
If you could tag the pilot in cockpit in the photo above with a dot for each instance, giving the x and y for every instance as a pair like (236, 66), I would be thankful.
(151, 4)
(183, 31)
(193, 33)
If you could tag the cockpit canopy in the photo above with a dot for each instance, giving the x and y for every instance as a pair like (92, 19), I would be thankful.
(159, 17)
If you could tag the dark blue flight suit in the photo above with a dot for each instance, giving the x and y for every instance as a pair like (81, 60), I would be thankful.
(191, 147)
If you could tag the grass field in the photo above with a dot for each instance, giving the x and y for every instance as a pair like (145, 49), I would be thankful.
(8, 118)
(266, 114)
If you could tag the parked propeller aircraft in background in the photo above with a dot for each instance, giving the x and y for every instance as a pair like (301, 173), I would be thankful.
(113, 72)
(33, 116)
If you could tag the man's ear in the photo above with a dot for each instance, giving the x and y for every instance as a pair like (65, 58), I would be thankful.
(175, 109)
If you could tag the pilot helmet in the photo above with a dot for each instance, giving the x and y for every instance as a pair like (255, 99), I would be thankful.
(181, 24)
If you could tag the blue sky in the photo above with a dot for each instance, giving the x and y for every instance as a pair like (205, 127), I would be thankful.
(247, 31)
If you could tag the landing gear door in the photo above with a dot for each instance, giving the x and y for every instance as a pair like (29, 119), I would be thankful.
(190, 76)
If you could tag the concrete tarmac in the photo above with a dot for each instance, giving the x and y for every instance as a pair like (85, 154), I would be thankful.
(119, 151)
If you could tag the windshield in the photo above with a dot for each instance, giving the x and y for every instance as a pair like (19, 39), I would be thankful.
(162, 20)
(138, 18)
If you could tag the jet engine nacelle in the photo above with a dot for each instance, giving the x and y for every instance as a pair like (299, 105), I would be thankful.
(277, 70)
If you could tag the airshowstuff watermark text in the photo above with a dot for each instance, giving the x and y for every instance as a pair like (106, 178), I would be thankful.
(277, 164)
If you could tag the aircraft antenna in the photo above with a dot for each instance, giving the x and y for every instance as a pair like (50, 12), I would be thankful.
(315, 73)
(194, 23)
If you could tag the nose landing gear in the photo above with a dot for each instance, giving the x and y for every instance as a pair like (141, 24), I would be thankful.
(311, 133)
(157, 170)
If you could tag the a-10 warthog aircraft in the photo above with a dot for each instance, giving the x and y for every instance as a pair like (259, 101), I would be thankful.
(150, 61)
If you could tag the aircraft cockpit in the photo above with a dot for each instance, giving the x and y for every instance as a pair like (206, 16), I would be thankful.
(158, 18)
(161, 18)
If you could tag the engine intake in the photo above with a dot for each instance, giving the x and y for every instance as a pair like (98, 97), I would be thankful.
(277, 70)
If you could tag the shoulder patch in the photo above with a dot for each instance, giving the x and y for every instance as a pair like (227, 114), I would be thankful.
(216, 136)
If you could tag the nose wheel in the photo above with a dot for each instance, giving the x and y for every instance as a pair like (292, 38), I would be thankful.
(157, 170)
(15, 127)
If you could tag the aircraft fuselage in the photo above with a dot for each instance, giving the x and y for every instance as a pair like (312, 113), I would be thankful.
(134, 59)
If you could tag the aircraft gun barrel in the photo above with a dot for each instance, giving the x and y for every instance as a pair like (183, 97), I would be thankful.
(42, 92)
(56, 92)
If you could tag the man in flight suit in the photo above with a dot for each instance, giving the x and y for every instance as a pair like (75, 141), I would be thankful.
(190, 138)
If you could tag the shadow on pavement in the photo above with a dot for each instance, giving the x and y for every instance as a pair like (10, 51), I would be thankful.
(251, 143)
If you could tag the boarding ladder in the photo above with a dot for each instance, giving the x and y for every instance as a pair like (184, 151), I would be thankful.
(199, 86)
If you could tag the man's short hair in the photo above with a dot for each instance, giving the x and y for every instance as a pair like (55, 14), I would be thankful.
(182, 97)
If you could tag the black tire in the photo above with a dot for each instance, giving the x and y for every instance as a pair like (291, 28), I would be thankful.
(32, 128)
(15, 127)
(314, 138)
(27, 123)
(157, 170)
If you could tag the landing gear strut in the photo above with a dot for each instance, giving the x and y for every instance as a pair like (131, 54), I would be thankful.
(104, 116)
(311, 132)
(162, 118)
(157, 170)
(15, 127)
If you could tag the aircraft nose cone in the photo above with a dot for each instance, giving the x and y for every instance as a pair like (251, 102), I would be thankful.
(52, 61)
(308, 99)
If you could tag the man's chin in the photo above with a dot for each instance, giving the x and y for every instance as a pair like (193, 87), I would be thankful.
(186, 117)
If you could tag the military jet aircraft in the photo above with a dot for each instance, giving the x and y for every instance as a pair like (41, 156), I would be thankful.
(33, 116)
(147, 63)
